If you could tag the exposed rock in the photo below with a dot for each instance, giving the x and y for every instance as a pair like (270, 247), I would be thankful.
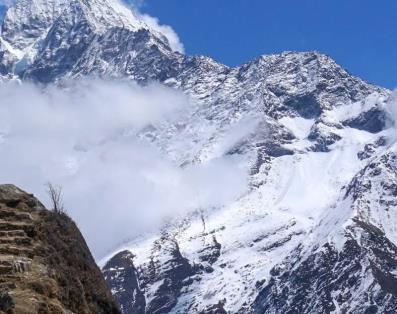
(323, 136)
(211, 252)
(130, 285)
(371, 148)
(173, 273)
(357, 279)
(214, 309)
(45, 264)
(122, 278)
(373, 120)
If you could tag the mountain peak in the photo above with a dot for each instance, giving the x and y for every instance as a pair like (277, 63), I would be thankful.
(295, 59)
(29, 20)
(46, 39)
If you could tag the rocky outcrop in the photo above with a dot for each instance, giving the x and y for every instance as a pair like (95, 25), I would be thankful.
(45, 264)
(374, 120)
(131, 286)
(355, 271)
(358, 279)
(122, 278)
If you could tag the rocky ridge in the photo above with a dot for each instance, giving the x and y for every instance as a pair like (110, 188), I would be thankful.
(45, 265)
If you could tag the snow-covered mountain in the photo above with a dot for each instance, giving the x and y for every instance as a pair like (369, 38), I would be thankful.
(314, 231)
(45, 40)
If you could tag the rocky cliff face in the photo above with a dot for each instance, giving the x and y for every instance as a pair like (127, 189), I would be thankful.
(45, 264)
(122, 278)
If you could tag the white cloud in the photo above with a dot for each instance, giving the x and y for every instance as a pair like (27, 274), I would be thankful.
(154, 23)
(390, 107)
(83, 137)
(166, 30)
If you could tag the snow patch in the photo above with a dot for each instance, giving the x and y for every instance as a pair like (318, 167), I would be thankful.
(299, 126)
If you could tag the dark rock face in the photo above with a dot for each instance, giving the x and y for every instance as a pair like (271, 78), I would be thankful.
(45, 264)
(371, 148)
(174, 273)
(122, 278)
(357, 279)
(373, 120)
(306, 106)
(62, 48)
(128, 284)
(322, 136)
(214, 309)
(7, 303)
(211, 252)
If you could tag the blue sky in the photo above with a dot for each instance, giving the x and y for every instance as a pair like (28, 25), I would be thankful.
(361, 35)
(2, 11)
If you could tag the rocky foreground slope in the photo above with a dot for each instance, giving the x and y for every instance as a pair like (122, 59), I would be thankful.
(45, 265)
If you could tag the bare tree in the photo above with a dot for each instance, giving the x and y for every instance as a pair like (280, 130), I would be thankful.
(55, 194)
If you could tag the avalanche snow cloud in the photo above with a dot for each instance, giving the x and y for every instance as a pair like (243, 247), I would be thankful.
(83, 137)
(154, 23)
(172, 37)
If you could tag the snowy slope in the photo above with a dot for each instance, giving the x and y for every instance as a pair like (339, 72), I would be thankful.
(294, 202)
(314, 142)
(348, 264)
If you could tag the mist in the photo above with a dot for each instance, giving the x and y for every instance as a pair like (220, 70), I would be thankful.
(83, 137)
